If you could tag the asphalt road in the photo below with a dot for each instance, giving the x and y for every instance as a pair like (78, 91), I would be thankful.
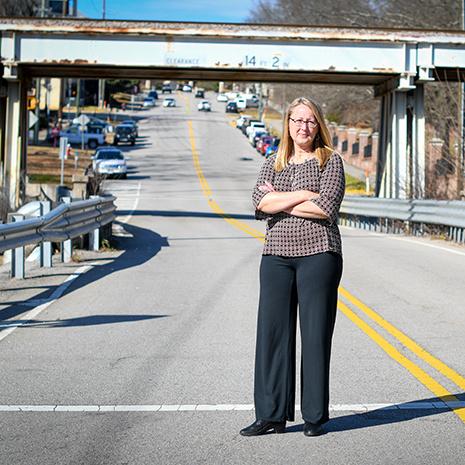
(144, 354)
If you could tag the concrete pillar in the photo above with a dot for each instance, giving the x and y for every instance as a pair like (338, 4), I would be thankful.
(342, 137)
(13, 144)
(351, 139)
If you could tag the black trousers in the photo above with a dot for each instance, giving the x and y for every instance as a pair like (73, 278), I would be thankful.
(310, 285)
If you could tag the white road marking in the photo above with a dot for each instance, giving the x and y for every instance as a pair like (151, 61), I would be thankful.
(7, 327)
(222, 407)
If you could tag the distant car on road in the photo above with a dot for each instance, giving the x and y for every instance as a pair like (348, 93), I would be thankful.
(149, 102)
(166, 88)
(187, 88)
(231, 107)
(200, 94)
(169, 102)
(153, 94)
(132, 123)
(204, 105)
(222, 98)
(109, 161)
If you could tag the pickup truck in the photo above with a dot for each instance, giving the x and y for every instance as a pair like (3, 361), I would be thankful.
(92, 138)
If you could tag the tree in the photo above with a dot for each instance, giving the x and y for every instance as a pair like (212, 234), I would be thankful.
(423, 14)
(29, 8)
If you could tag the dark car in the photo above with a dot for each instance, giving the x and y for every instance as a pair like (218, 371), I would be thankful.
(153, 94)
(132, 123)
(231, 107)
(166, 88)
(125, 133)
(200, 94)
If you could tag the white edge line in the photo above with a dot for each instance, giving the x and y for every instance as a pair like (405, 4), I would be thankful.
(222, 407)
(8, 327)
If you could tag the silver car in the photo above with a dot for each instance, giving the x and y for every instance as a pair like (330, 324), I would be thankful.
(110, 161)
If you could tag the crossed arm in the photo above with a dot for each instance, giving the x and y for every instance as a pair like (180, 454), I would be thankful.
(295, 203)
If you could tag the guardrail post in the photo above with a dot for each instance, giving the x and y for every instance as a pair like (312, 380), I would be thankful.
(45, 247)
(17, 256)
(67, 245)
(94, 235)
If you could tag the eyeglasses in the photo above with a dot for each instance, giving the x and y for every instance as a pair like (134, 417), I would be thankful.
(301, 123)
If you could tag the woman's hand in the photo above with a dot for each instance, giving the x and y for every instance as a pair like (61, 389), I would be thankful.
(268, 187)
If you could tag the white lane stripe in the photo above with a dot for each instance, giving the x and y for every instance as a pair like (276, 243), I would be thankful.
(7, 327)
(221, 407)
(126, 218)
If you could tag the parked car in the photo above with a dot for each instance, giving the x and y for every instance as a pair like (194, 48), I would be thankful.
(254, 136)
(247, 122)
(204, 105)
(153, 94)
(132, 123)
(231, 107)
(272, 147)
(262, 142)
(110, 161)
(149, 102)
(255, 126)
(241, 120)
(186, 88)
(169, 102)
(166, 88)
(200, 94)
(94, 121)
(222, 98)
(125, 133)
(241, 103)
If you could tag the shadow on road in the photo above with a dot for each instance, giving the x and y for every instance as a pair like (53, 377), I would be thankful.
(138, 249)
(385, 416)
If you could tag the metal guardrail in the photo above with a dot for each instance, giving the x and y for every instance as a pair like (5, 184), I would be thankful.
(415, 214)
(63, 223)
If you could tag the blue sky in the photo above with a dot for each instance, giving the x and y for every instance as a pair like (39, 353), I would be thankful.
(216, 11)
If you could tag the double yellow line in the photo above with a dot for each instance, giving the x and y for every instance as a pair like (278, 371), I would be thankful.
(436, 388)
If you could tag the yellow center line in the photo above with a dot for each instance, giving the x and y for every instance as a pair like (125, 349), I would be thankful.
(186, 100)
(416, 371)
(406, 341)
(435, 387)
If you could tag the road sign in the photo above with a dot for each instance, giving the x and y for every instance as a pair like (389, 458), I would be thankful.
(32, 119)
(82, 120)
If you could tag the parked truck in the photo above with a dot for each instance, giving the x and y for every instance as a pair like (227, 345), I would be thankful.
(93, 137)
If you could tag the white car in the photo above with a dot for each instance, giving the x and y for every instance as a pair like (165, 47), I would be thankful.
(169, 102)
(204, 105)
(110, 162)
(187, 88)
(222, 98)
(241, 120)
(255, 126)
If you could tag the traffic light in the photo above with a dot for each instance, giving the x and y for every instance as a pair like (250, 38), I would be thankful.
(31, 102)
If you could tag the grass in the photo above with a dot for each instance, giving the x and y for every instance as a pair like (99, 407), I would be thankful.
(355, 186)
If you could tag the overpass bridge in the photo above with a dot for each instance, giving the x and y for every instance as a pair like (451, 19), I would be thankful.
(396, 62)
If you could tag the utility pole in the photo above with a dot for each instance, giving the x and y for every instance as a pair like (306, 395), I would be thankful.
(461, 121)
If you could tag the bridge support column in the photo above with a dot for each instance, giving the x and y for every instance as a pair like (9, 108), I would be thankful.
(15, 142)
(401, 150)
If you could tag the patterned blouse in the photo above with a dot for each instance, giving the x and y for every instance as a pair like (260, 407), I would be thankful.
(293, 236)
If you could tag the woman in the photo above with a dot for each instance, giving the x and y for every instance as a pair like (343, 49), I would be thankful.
(299, 192)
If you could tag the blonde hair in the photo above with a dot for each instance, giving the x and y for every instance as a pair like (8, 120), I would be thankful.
(322, 144)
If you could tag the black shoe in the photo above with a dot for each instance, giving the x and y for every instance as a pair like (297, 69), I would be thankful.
(261, 427)
(312, 430)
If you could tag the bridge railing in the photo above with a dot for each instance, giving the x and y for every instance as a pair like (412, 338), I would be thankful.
(62, 224)
(414, 216)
